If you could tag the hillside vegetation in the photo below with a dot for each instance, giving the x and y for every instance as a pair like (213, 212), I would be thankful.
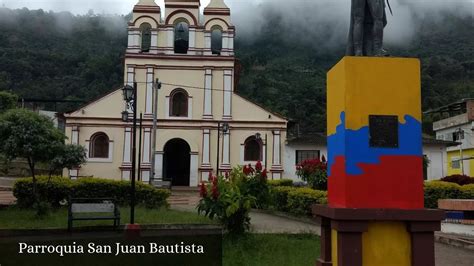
(47, 55)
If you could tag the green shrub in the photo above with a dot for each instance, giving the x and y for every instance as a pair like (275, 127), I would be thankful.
(435, 190)
(280, 183)
(58, 189)
(280, 197)
(151, 197)
(51, 190)
(252, 182)
(467, 191)
(227, 201)
(301, 200)
(102, 188)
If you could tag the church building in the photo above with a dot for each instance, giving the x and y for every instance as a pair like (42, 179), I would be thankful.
(203, 124)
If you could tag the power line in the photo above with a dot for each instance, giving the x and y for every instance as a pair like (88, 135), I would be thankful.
(181, 86)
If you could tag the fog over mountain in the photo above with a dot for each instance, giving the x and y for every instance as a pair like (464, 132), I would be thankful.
(285, 48)
(328, 20)
(306, 20)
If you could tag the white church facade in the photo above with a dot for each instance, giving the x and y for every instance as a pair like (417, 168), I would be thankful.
(193, 57)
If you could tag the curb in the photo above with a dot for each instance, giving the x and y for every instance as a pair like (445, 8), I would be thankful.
(287, 216)
(6, 188)
(455, 240)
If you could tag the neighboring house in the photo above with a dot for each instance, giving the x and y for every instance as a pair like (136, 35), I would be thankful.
(436, 152)
(55, 117)
(300, 148)
(458, 126)
(193, 57)
(310, 146)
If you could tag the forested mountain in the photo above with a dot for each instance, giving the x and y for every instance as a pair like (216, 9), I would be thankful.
(49, 55)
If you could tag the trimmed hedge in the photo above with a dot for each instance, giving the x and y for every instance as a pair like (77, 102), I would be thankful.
(52, 191)
(467, 191)
(436, 190)
(58, 189)
(280, 183)
(297, 201)
(300, 200)
(280, 197)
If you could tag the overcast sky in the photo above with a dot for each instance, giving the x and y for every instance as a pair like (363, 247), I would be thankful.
(81, 6)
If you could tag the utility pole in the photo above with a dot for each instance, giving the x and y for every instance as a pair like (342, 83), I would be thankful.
(224, 128)
(157, 87)
(218, 148)
(140, 148)
(134, 153)
(460, 133)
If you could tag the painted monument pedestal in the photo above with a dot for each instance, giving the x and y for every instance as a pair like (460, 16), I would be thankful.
(375, 213)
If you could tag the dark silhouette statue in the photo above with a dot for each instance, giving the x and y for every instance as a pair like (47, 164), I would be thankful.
(368, 20)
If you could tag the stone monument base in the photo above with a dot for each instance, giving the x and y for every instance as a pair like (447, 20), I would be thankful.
(368, 237)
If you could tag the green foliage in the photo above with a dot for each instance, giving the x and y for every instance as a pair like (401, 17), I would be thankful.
(42, 209)
(467, 191)
(280, 197)
(7, 101)
(254, 183)
(271, 249)
(280, 183)
(69, 156)
(52, 190)
(19, 218)
(300, 200)
(435, 190)
(57, 190)
(81, 57)
(26, 134)
(61, 56)
(226, 201)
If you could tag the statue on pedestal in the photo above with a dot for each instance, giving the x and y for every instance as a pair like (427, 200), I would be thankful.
(368, 20)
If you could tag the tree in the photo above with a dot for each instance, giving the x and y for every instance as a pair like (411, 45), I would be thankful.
(26, 134)
(69, 156)
(7, 101)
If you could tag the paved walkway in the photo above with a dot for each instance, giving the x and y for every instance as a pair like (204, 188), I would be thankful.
(6, 198)
(453, 256)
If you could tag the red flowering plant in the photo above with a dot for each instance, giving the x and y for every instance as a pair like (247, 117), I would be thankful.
(256, 184)
(314, 172)
(225, 199)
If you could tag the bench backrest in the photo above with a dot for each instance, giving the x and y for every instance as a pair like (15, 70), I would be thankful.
(92, 207)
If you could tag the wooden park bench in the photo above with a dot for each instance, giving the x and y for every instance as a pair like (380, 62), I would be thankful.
(458, 210)
(98, 209)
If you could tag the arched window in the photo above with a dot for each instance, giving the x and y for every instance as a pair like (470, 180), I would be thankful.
(145, 31)
(252, 149)
(216, 40)
(99, 146)
(179, 103)
(181, 36)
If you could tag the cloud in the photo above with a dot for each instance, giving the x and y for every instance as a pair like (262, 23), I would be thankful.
(322, 22)
(326, 22)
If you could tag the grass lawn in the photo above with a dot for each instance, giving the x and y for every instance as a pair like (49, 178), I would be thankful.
(271, 250)
(15, 218)
(248, 250)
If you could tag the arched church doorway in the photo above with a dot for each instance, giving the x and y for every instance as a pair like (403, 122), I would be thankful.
(176, 162)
